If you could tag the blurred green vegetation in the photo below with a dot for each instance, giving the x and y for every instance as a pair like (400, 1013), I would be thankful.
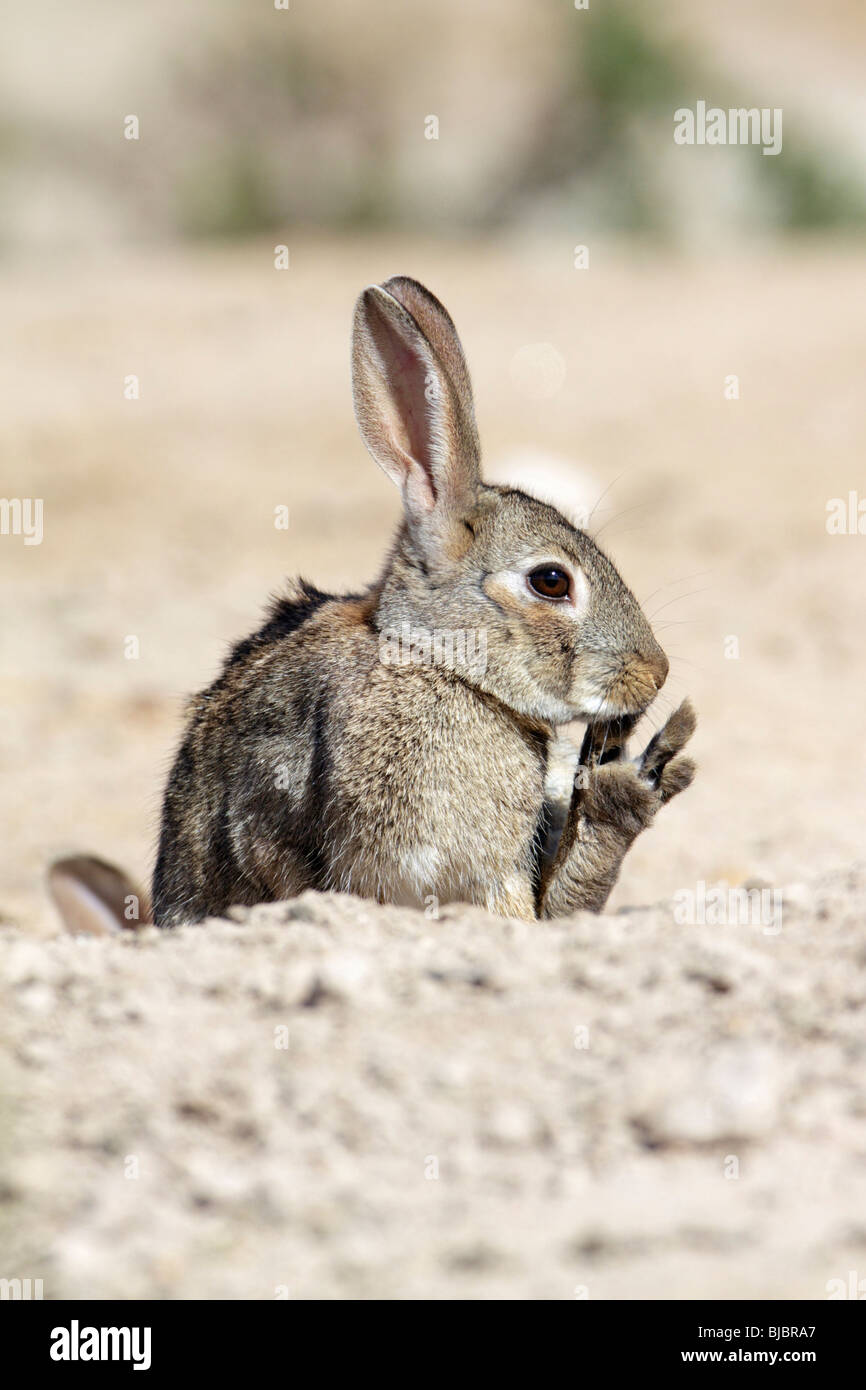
(226, 195)
(622, 67)
(813, 195)
(619, 79)
(557, 118)
(595, 133)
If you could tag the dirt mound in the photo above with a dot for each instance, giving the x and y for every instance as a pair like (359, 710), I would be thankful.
(327, 1098)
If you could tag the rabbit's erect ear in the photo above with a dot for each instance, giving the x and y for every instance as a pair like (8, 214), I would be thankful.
(413, 400)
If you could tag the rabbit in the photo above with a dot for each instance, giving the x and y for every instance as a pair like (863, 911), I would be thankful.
(394, 743)
(94, 898)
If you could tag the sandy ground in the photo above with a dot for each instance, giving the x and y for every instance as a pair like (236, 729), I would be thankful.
(706, 1135)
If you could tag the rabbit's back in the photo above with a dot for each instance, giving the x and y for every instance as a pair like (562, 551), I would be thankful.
(250, 742)
(312, 762)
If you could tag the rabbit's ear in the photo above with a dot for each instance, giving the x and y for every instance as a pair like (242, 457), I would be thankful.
(413, 400)
(96, 898)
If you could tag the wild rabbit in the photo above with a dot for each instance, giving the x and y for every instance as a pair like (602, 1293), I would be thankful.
(394, 743)
(403, 743)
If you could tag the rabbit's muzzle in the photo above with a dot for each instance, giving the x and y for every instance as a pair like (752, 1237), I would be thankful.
(627, 689)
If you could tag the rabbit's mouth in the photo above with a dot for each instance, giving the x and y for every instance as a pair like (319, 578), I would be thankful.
(607, 709)
(625, 692)
(627, 698)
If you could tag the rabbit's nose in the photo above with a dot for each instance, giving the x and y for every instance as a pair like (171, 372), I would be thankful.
(658, 667)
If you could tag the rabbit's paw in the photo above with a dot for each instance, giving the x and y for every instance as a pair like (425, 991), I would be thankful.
(627, 795)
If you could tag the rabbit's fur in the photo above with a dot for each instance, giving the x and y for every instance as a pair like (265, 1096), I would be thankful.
(322, 758)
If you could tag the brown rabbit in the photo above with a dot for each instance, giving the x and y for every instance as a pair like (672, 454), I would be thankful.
(394, 743)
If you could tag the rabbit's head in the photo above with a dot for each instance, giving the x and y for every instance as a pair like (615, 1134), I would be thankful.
(481, 575)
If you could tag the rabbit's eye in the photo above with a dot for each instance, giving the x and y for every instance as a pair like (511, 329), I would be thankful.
(549, 582)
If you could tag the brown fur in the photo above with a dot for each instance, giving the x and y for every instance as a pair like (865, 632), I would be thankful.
(314, 762)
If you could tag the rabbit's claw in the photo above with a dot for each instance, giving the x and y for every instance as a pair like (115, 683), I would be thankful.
(626, 794)
(663, 747)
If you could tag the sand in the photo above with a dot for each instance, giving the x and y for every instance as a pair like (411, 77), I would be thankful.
(330, 1099)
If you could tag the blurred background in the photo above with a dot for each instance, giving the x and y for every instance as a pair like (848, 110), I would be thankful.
(551, 119)
(672, 335)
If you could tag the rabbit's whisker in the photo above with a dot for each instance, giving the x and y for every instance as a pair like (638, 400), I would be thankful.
(679, 598)
(685, 579)
(601, 499)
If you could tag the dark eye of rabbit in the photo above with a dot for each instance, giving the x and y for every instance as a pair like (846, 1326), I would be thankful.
(549, 582)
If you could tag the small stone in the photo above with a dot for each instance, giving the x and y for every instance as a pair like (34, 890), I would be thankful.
(513, 1124)
(28, 960)
(736, 1095)
(37, 998)
(798, 897)
(344, 975)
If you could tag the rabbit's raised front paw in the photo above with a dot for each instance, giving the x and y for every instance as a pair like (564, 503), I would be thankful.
(627, 794)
